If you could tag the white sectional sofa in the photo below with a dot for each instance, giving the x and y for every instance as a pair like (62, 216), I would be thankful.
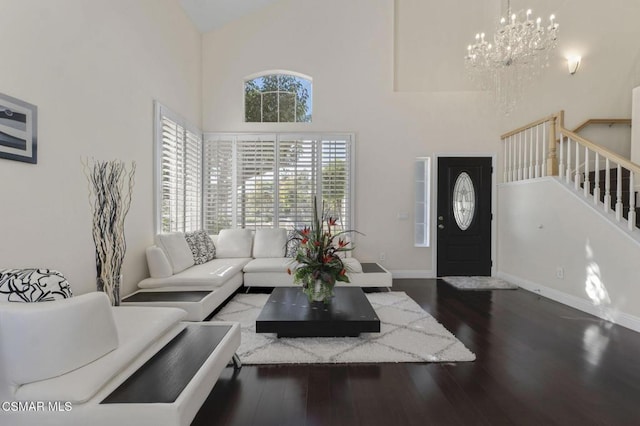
(72, 362)
(253, 258)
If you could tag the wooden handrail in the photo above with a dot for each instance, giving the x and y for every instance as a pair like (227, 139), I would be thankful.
(609, 121)
(525, 157)
(603, 151)
(558, 115)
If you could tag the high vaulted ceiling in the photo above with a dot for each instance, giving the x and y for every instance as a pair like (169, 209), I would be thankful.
(209, 15)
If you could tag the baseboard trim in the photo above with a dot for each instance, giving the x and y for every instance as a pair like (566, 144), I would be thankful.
(609, 314)
(412, 273)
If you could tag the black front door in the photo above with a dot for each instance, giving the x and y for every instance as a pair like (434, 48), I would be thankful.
(464, 216)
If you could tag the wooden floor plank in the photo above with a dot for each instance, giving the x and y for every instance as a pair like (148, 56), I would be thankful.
(538, 362)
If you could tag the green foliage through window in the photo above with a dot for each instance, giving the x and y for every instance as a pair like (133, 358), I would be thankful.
(277, 98)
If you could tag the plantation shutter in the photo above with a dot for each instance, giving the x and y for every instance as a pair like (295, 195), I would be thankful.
(193, 181)
(264, 181)
(256, 182)
(336, 182)
(180, 174)
(172, 158)
(218, 184)
(297, 182)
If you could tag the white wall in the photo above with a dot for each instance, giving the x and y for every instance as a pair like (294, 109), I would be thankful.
(605, 34)
(537, 237)
(431, 39)
(349, 49)
(93, 68)
(635, 131)
(616, 138)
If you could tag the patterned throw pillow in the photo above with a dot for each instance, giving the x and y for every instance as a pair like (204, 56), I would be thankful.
(201, 246)
(33, 285)
(293, 244)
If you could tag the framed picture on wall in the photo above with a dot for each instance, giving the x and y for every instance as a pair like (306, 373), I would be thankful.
(18, 130)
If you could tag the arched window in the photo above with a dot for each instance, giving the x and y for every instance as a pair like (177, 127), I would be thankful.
(277, 97)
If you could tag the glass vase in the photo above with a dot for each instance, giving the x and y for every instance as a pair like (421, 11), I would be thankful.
(321, 292)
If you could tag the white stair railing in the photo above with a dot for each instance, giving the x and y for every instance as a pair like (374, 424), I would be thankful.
(528, 152)
(546, 148)
(577, 169)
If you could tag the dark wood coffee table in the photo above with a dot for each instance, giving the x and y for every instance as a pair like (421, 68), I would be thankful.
(289, 313)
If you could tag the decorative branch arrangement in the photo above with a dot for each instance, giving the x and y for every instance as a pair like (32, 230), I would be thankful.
(110, 189)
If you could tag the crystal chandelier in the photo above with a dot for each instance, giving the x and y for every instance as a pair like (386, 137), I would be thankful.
(519, 51)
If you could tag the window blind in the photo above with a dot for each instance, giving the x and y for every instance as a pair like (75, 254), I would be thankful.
(257, 181)
(297, 178)
(219, 184)
(180, 170)
(336, 185)
(256, 185)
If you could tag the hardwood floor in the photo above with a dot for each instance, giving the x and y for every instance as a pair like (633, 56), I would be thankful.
(538, 363)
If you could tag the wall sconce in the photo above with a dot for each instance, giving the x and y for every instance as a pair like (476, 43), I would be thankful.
(573, 63)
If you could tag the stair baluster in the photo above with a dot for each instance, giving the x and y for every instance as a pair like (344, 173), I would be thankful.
(505, 168)
(568, 171)
(514, 158)
(576, 177)
(520, 157)
(525, 167)
(596, 181)
(619, 195)
(561, 166)
(632, 203)
(587, 183)
(543, 165)
(531, 172)
(607, 186)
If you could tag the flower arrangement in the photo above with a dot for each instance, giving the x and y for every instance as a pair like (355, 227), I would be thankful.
(319, 265)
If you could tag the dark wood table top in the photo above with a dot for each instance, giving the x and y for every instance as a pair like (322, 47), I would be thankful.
(167, 296)
(165, 375)
(289, 313)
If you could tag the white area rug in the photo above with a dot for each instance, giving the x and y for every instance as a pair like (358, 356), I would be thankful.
(479, 283)
(407, 334)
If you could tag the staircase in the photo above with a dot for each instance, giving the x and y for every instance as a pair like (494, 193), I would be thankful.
(601, 184)
(546, 148)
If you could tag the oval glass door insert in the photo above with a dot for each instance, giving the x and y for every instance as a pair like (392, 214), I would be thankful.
(464, 201)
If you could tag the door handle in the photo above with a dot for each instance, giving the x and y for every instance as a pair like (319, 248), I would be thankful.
(441, 226)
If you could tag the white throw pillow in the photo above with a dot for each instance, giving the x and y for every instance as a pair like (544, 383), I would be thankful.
(158, 263)
(234, 243)
(270, 243)
(48, 339)
(177, 250)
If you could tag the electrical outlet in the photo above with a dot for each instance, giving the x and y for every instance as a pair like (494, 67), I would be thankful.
(382, 257)
(560, 273)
